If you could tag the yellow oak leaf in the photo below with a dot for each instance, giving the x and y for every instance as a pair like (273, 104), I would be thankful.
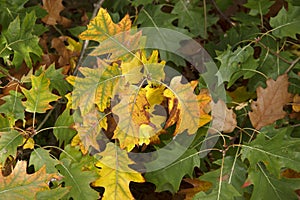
(141, 67)
(95, 88)
(188, 110)
(115, 39)
(137, 123)
(115, 174)
(102, 27)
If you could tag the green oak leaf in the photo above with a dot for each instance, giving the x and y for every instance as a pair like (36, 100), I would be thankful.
(169, 177)
(39, 96)
(9, 141)
(78, 180)
(235, 64)
(40, 157)
(19, 41)
(259, 7)
(287, 22)
(13, 107)
(276, 152)
(62, 130)
(57, 193)
(233, 177)
(266, 186)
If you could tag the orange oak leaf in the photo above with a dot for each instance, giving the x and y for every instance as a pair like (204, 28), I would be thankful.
(20, 185)
(270, 101)
(54, 7)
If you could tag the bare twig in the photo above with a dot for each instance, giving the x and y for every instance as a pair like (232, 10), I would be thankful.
(86, 42)
(274, 53)
(221, 13)
(292, 65)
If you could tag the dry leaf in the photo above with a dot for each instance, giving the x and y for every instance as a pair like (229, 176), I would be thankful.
(224, 119)
(270, 101)
(198, 186)
(54, 7)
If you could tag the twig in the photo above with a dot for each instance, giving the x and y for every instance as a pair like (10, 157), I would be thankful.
(292, 65)
(86, 42)
(221, 13)
(46, 117)
(274, 53)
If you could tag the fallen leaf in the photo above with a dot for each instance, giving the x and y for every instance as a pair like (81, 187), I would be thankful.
(270, 101)
(224, 119)
(54, 7)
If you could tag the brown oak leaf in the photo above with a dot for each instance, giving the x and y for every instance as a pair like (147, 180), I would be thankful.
(270, 101)
(54, 7)
(224, 119)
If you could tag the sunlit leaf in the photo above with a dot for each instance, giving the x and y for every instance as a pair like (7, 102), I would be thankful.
(115, 174)
(96, 88)
(39, 96)
(20, 185)
(115, 39)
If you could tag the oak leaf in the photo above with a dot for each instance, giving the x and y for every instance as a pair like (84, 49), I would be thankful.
(270, 101)
(115, 174)
(224, 119)
(39, 96)
(115, 39)
(142, 66)
(185, 108)
(54, 7)
(137, 123)
(96, 88)
(20, 185)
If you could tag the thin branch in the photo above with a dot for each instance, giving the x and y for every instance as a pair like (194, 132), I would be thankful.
(292, 65)
(274, 53)
(86, 42)
(221, 13)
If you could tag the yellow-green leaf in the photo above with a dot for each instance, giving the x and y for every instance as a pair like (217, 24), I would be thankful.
(115, 174)
(115, 39)
(20, 185)
(96, 88)
(137, 125)
(39, 96)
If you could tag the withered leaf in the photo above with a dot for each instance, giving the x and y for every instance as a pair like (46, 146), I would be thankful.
(270, 101)
(224, 119)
